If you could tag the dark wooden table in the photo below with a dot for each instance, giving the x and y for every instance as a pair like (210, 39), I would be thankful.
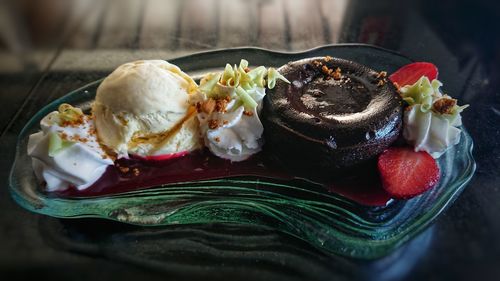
(48, 48)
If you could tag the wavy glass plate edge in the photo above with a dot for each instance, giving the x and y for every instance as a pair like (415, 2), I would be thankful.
(332, 240)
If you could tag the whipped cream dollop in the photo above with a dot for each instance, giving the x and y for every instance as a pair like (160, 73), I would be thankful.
(231, 131)
(432, 119)
(66, 152)
(228, 106)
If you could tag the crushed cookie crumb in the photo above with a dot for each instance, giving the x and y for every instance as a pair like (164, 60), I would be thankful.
(213, 124)
(328, 58)
(329, 72)
(78, 138)
(208, 106)
(444, 105)
(136, 171)
(380, 83)
(217, 139)
(74, 123)
(317, 63)
(92, 131)
(248, 113)
(381, 74)
(124, 169)
(225, 122)
(337, 74)
(220, 105)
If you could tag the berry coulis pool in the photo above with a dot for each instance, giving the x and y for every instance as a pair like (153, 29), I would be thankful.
(135, 174)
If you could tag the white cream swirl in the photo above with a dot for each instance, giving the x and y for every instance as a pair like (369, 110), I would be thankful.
(432, 119)
(228, 106)
(78, 162)
(428, 131)
(238, 133)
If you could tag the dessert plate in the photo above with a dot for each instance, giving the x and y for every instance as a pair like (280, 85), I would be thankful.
(326, 220)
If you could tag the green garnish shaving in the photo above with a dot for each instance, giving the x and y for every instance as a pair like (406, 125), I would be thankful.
(68, 113)
(57, 144)
(425, 93)
(248, 101)
(240, 80)
(272, 76)
(209, 82)
(422, 92)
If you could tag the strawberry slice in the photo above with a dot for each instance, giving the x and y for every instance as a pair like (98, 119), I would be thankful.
(406, 173)
(410, 73)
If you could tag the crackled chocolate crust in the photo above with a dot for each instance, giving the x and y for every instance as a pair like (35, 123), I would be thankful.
(334, 114)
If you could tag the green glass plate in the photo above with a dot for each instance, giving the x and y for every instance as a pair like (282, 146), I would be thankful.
(328, 221)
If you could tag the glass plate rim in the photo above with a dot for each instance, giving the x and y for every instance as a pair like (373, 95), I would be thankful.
(438, 207)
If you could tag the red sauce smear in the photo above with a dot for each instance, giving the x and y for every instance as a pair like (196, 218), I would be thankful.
(362, 186)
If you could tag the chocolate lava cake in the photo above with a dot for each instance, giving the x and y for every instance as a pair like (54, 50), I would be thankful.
(334, 114)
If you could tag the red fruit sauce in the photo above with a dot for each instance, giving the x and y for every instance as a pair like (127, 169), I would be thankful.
(131, 174)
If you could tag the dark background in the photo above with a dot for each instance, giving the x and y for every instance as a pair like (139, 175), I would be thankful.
(48, 48)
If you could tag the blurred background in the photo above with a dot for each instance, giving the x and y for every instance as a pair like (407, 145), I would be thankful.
(101, 33)
(94, 36)
(33, 30)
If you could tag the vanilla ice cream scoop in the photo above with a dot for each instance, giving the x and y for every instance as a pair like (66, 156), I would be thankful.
(142, 106)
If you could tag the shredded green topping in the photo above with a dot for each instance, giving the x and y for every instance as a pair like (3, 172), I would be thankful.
(57, 144)
(272, 76)
(248, 101)
(421, 92)
(240, 81)
(209, 82)
(68, 113)
(257, 75)
(426, 93)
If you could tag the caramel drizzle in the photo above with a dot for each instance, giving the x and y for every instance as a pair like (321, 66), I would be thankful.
(158, 138)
